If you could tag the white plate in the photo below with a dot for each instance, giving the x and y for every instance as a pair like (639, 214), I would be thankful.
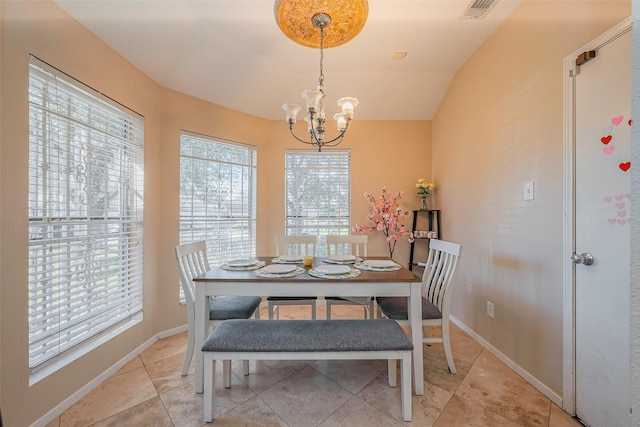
(242, 262)
(279, 268)
(333, 269)
(290, 258)
(380, 263)
(342, 258)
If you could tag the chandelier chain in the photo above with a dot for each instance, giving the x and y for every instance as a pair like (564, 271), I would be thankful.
(321, 78)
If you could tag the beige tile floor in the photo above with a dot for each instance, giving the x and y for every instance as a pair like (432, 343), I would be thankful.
(149, 391)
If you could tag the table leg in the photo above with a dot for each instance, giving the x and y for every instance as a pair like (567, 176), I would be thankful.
(200, 334)
(415, 324)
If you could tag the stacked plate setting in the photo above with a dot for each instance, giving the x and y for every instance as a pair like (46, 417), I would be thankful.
(341, 259)
(242, 264)
(332, 271)
(378, 265)
(279, 270)
(288, 259)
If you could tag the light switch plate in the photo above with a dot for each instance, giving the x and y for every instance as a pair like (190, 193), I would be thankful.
(528, 190)
(490, 309)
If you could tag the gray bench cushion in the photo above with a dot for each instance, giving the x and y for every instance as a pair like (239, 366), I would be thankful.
(307, 335)
(232, 307)
(396, 308)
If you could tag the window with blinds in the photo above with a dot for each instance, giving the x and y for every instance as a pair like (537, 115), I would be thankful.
(318, 194)
(218, 196)
(85, 216)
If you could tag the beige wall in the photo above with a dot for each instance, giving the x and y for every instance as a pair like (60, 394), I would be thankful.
(500, 125)
(394, 154)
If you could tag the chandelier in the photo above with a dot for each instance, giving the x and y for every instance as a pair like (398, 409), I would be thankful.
(293, 18)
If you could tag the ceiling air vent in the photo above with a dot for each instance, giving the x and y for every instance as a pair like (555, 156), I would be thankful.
(478, 9)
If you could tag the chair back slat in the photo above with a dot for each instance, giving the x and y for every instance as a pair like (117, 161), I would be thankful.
(439, 271)
(192, 262)
(348, 245)
(296, 245)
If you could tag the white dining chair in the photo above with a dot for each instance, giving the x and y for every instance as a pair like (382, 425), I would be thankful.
(354, 244)
(293, 245)
(437, 290)
(192, 262)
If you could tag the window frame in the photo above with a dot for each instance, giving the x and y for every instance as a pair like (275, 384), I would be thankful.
(324, 223)
(241, 205)
(86, 188)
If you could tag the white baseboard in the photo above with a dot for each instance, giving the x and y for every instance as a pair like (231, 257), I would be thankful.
(83, 391)
(553, 396)
(171, 332)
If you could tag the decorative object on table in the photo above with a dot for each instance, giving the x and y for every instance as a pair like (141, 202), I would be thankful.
(425, 189)
(309, 23)
(387, 216)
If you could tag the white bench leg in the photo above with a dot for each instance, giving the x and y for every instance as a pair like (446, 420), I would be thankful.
(406, 385)
(391, 372)
(245, 367)
(226, 373)
(209, 387)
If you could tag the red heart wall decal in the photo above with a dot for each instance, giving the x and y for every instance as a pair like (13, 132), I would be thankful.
(630, 122)
(606, 139)
(616, 120)
(625, 166)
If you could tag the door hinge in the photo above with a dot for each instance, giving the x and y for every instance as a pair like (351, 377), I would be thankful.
(585, 57)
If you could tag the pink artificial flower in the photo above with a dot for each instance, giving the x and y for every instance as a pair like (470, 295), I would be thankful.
(387, 216)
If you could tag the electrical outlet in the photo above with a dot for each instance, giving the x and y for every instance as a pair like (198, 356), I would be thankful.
(490, 311)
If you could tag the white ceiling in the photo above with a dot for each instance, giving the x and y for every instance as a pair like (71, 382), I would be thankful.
(232, 53)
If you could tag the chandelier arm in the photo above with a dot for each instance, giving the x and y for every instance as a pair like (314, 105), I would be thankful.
(301, 140)
(339, 137)
(329, 144)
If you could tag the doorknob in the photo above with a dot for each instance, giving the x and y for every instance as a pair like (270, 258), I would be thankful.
(585, 258)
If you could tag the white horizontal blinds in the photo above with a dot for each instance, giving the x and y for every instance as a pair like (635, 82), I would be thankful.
(85, 213)
(218, 196)
(318, 194)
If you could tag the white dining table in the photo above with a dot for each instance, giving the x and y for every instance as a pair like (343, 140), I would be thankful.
(400, 283)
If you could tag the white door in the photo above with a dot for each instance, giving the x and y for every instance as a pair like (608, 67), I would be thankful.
(602, 231)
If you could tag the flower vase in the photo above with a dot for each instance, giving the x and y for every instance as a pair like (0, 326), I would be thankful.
(424, 205)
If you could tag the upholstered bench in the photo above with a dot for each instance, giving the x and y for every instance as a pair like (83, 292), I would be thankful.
(249, 339)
